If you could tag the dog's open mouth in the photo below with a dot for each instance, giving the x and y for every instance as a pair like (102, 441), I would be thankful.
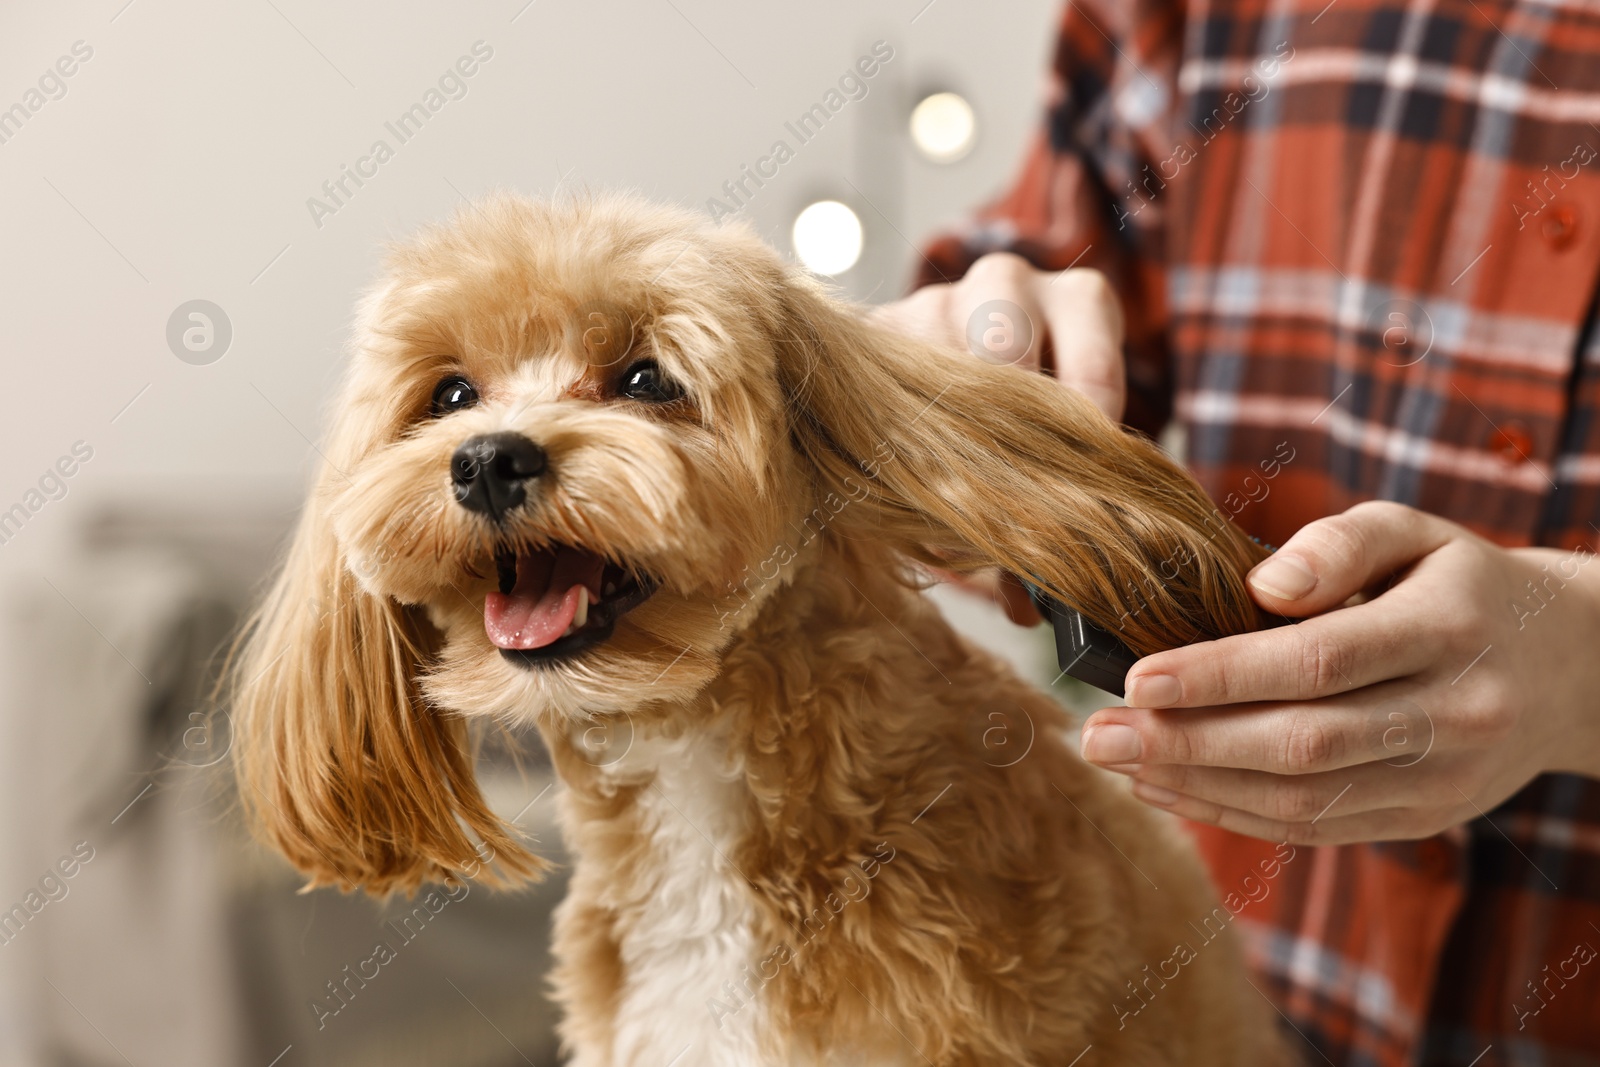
(556, 601)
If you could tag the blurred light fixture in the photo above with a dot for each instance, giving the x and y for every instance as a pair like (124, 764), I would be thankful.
(827, 237)
(943, 127)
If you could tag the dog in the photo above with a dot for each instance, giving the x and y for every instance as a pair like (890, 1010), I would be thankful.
(609, 469)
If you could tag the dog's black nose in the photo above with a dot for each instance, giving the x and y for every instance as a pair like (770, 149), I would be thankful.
(489, 472)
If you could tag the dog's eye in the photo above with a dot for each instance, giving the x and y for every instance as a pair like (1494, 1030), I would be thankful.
(453, 394)
(646, 381)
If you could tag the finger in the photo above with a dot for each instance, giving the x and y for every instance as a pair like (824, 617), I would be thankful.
(1296, 739)
(925, 315)
(1085, 324)
(1333, 559)
(1293, 798)
(1332, 653)
(1383, 824)
(1019, 605)
(1001, 588)
(995, 310)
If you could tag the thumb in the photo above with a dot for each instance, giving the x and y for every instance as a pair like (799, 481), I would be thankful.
(1333, 559)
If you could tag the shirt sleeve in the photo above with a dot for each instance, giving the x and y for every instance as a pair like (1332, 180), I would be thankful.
(1087, 192)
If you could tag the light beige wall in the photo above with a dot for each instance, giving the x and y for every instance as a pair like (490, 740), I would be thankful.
(179, 161)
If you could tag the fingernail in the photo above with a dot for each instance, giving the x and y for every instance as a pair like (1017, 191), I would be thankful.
(1113, 743)
(1284, 577)
(1154, 691)
(1155, 794)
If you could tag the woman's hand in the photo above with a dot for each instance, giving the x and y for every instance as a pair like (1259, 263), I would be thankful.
(1070, 322)
(1412, 711)
(1005, 311)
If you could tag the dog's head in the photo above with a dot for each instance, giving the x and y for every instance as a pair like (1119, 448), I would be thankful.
(575, 449)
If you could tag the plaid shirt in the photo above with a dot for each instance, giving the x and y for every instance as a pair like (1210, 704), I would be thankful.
(1365, 233)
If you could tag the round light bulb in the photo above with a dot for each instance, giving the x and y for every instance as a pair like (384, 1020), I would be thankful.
(943, 127)
(827, 237)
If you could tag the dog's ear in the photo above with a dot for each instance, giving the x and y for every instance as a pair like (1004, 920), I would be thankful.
(341, 763)
(963, 464)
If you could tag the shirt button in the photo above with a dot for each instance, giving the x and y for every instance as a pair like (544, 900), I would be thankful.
(1560, 227)
(1512, 443)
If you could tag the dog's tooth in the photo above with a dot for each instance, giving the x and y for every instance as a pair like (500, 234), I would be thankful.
(582, 617)
(611, 587)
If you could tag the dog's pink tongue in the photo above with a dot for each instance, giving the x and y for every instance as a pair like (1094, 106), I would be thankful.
(544, 601)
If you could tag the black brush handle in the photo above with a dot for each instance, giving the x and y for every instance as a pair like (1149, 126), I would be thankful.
(1090, 654)
(1085, 651)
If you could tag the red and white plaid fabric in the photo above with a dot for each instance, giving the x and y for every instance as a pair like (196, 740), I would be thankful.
(1367, 232)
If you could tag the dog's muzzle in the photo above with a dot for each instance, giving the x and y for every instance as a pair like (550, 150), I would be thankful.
(490, 472)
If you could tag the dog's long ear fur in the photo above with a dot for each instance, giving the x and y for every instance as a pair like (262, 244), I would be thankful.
(341, 764)
(965, 464)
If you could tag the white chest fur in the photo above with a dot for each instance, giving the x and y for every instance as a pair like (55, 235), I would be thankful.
(688, 939)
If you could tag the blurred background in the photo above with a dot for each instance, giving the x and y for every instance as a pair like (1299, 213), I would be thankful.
(195, 200)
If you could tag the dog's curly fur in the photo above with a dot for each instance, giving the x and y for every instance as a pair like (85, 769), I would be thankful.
(811, 849)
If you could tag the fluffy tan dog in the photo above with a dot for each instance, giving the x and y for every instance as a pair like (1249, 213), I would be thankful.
(606, 468)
